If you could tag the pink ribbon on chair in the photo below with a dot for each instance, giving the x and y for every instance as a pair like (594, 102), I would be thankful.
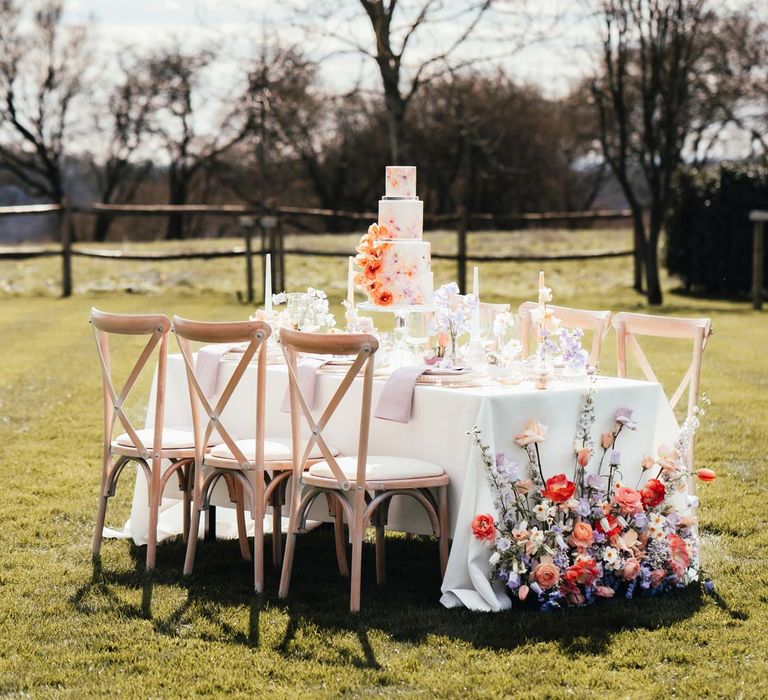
(396, 400)
(306, 372)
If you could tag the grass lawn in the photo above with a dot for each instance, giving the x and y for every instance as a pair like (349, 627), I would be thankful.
(71, 631)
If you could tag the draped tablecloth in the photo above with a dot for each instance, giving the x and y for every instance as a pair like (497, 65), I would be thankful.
(437, 432)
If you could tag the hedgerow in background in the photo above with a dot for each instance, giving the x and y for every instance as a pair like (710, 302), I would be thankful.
(709, 235)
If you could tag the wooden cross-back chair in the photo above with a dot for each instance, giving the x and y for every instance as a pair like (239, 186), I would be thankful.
(145, 447)
(599, 322)
(232, 464)
(361, 485)
(697, 330)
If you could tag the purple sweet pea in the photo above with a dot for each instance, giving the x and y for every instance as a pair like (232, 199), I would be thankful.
(583, 509)
(594, 482)
(624, 417)
(615, 457)
(599, 537)
(640, 520)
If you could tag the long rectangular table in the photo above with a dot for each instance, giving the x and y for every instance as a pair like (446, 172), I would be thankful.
(437, 432)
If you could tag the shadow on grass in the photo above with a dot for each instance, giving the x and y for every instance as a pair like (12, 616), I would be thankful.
(406, 608)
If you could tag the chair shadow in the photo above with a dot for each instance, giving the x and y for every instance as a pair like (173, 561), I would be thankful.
(405, 609)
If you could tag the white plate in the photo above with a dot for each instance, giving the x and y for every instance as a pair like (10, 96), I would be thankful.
(447, 371)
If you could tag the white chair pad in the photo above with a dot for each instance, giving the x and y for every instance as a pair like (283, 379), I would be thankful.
(275, 450)
(380, 468)
(172, 439)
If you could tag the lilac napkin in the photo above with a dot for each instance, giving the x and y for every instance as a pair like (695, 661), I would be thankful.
(207, 365)
(396, 398)
(306, 371)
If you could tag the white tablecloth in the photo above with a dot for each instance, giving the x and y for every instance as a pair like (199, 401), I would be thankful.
(437, 432)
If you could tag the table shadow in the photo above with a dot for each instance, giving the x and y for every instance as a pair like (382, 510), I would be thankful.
(406, 608)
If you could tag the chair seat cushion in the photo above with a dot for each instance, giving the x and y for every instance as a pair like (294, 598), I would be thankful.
(172, 439)
(275, 450)
(380, 468)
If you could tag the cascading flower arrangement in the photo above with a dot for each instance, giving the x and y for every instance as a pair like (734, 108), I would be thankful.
(370, 251)
(569, 540)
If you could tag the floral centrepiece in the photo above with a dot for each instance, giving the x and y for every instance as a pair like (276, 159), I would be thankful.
(453, 317)
(583, 534)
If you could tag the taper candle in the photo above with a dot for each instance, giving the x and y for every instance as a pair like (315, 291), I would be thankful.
(351, 283)
(268, 283)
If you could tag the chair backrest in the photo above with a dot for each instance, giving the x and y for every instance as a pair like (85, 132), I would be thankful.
(698, 330)
(255, 333)
(362, 347)
(599, 322)
(153, 326)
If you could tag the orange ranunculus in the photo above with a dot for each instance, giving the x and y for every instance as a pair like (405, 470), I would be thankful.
(546, 574)
(653, 493)
(583, 457)
(376, 232)
(584, 571)
(582, 535)
(384, 298)
(706, 475)
(558, 489)
(628, 500)
(484, 527)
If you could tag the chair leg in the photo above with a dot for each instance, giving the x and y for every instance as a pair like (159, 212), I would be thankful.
(290, 540)
(277, 524)
(258, 547)
(100, 518)
(187, 499)
(338, 536)
(242, 532)
(194, 527)
(443, 517)
(357, 567)
(381, 573)
(154, 511)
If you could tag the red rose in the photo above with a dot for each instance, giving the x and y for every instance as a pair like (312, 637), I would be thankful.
(483, 527)
(653, 493)
(558, 489)
(609, 525)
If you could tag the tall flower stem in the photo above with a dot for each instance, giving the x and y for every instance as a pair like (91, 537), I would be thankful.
(538, 463)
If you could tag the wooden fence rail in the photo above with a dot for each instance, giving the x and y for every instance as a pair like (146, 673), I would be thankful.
(270, 224)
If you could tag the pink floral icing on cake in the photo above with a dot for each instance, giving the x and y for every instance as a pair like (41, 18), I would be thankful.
(401, 181)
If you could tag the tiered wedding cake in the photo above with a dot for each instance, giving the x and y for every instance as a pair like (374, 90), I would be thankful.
(395, 262)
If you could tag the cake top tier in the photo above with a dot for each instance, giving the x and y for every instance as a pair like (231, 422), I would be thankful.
(401, 181)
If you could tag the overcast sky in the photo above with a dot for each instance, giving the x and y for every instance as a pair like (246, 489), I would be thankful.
(554, 61)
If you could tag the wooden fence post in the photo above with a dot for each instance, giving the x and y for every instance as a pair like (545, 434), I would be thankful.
(461, 257)
(65, 226)
(246, 223)
(281, 253)
(758, 256)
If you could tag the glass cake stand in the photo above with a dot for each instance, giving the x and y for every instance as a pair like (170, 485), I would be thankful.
(401, 355)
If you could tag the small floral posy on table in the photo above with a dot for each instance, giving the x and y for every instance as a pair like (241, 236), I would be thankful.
(573, 538)
(454, 314)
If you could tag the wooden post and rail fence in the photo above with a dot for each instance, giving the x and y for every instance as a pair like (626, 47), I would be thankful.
(271, 227)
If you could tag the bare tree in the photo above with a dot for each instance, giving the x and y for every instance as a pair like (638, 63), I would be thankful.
(41, 67)
(414, 42)
(124, 122)
(643, 98)
(192, 141)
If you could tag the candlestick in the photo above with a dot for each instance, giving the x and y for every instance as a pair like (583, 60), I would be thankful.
(541, 280)
(268, 283)
(476, 282)
(351, 284)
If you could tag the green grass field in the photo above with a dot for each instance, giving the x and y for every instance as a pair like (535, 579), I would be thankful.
(71, 631)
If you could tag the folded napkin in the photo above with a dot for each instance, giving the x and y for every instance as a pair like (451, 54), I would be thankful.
(396, 398)
(306, 372)
(207, 365)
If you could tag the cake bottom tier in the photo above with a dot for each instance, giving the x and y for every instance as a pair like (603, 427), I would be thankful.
(402, 289)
